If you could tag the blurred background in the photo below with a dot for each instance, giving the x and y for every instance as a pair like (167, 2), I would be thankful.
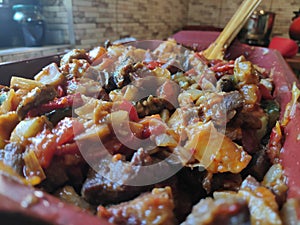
(33, 28)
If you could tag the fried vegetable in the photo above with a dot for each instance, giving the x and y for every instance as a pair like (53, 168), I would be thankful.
(261, 201)
(32, 167)
(215, 151)
(244, 72)
(8, 122)
(50, 75)
(28, 128)
(24, 83)
(8, 104)
(34, 98)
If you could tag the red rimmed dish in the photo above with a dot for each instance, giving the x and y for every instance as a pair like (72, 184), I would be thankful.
(283, 79)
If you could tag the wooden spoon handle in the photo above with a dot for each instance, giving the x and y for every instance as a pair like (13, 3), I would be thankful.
(217, 49)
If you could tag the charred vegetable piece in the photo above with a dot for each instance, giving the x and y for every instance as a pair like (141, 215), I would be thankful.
(271, 107)
(50, 75)
(228, 211)
(35, 98)
(68, 101)
(150, 208)
(215, 151)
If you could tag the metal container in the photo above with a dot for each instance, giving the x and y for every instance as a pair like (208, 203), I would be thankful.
(258, 28)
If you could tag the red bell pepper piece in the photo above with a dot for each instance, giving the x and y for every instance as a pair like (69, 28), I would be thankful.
(59, 141)
(153, 64)
(74, 100)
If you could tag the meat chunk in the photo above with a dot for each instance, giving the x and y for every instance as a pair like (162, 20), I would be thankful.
(99, 190)
(227, 211)
(118, 181)
(222, 107)
(150, 208)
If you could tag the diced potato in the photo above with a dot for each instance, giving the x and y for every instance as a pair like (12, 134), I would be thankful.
(94, 133)
(50, 75)
(8, 103)
(131, 93)
(159, 72)
(28, 128)
(8, 122)
(96, 53)
(23, 83)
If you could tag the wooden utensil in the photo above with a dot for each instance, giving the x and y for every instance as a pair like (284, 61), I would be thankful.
(217, 49)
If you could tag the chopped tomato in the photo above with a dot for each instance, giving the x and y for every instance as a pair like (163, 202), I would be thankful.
(66, 129)
(44, 147)
(153, 64)
(59, 140)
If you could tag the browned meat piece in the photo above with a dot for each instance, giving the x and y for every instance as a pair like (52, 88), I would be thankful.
(99, 190)
(150, 208)
(74, 54)
(12, 155)
(120, 181)
(228, 211)
(56, 176)
(226, 181)
(222, 107)
(34, 98)
(151, 105)
(61, 172)
(258, 165)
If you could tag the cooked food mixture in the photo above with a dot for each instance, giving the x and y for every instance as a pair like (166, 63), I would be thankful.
(149, 136)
